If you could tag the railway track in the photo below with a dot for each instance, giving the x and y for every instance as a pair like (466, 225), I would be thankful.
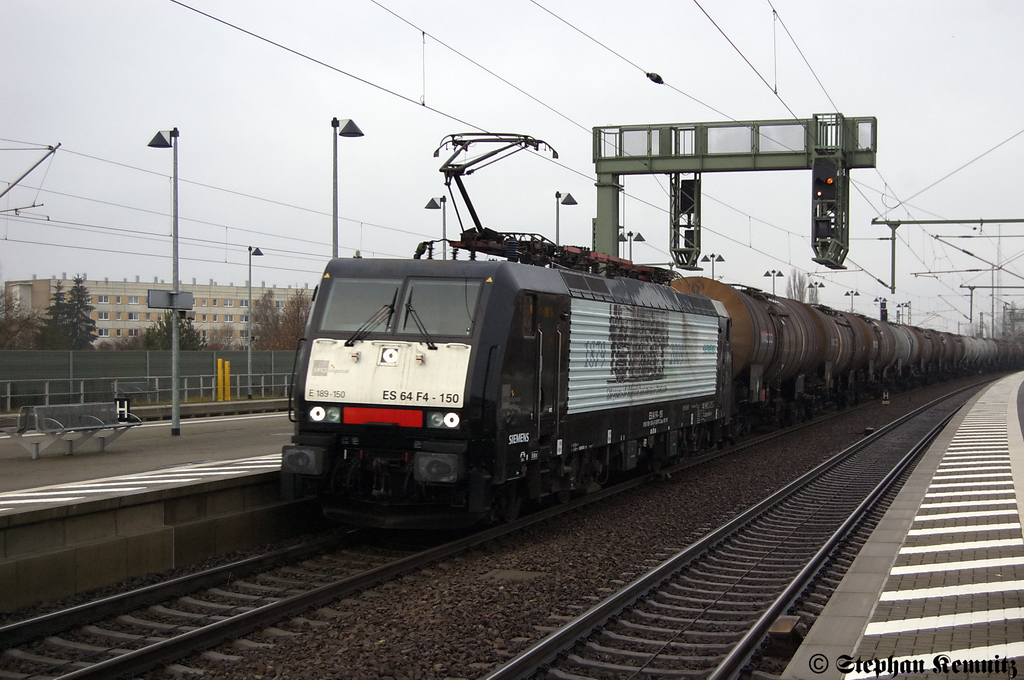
(705, 612)
(133, 632)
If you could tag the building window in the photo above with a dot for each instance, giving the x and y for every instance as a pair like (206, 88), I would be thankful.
(133, 299)
(103, 316)
(229, 303)
(214, 302)
(133, 316)
(103, 332)
(148, 315)
(102, 299)
(117, 299)
(280, 304)
(204, 334)
(118, 315)
(229, 317)
(214, 317)
(133, 332)
(243, 333)
(243, 303)
(244, 318)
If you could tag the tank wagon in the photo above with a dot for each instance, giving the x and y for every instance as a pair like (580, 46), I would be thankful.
(791, 358)
(436, 393)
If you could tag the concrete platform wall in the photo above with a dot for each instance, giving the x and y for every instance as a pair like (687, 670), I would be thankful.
(53, 553)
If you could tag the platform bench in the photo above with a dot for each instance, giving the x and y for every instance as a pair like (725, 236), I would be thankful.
(62, 423)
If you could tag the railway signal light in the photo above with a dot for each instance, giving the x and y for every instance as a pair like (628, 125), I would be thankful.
(824, 180)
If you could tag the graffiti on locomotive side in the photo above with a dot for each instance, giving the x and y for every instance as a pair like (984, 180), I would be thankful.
(596, 353)
(639, 344)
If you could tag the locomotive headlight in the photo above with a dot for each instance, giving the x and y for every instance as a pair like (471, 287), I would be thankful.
(437, 467)
(317, 414)
(438, 419)
(333, 414)
(303, 460)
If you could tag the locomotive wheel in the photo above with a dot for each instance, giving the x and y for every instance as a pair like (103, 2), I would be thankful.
(510, 502)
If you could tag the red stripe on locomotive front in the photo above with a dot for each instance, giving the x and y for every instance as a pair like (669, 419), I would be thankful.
(355, 415)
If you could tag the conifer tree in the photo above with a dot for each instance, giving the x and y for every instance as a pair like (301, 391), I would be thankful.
(67, 324)
(158, 336)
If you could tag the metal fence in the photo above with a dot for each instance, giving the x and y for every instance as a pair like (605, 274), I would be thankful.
(31, 378)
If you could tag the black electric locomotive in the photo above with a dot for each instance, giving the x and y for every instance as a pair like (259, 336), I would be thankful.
(439, 393)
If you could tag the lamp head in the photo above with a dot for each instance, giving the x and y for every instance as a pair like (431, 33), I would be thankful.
(347, 128)
(163, 139)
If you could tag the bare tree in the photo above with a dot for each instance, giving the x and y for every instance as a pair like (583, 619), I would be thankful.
(18, 326)
(266, 321)
(294, 318)
(275, 327)
(796, 287)
(125, 342)
(223, 339)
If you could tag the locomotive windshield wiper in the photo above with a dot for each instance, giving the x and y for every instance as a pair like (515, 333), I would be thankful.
(381, 316)
(410, 312)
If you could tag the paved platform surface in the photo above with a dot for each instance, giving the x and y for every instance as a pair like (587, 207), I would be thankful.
(144, 459)
(937, 590)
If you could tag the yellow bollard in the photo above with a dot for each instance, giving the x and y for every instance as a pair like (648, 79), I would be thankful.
(220, 380)
(227, 381)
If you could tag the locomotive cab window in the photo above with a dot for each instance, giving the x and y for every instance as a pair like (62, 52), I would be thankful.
(443, 306)
(352, 303)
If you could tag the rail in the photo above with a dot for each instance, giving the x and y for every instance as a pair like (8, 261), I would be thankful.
(547, 650)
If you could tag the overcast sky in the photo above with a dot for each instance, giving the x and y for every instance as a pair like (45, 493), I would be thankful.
(101, 78)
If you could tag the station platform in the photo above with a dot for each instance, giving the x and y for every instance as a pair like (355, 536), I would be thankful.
(145, 459)
(147, 503)
(937, 590)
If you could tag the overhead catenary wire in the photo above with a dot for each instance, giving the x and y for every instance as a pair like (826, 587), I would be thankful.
(515, 87)
(583, 174)
(589, 176)
(652, 76)
(302, 55)
(744, 57)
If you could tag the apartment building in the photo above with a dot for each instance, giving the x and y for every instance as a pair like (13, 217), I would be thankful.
(221, 312)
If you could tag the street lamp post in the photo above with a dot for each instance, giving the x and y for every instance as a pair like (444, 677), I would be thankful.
(163, 140)
(442, 203)
(567, 200)
(348, 128)
(253, 252)
(813, 286)
(773, 274)
(638, 237)
(712, 258)
(851, 294)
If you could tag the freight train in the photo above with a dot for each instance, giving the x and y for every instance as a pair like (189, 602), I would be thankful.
(439, 393)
